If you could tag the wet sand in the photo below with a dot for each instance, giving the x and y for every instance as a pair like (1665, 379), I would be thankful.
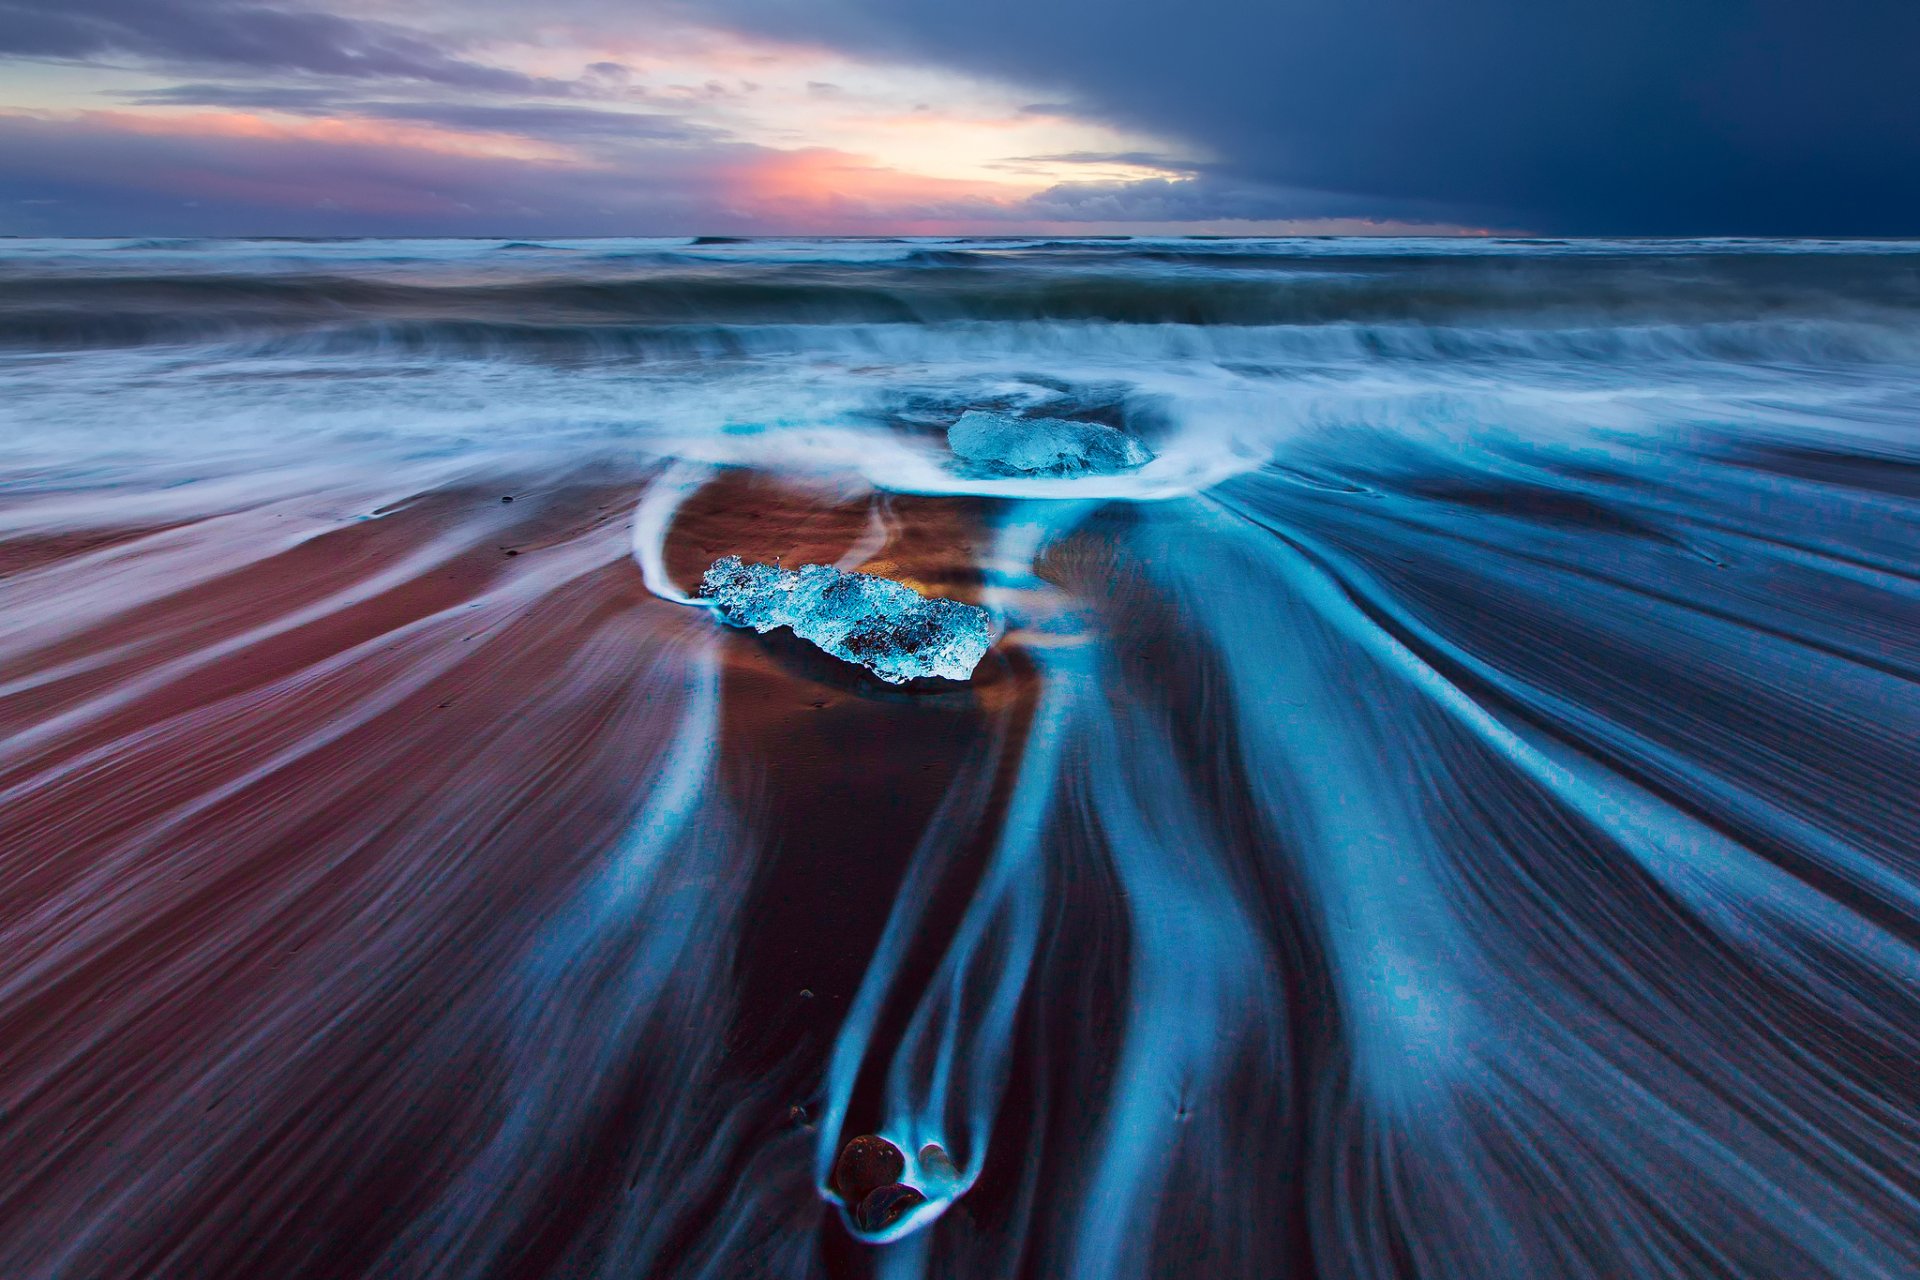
(267, 836)
(1452, 814)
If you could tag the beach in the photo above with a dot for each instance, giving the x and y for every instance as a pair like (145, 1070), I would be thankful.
(1450, 812)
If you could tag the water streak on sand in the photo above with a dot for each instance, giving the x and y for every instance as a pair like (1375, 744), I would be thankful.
(1452, 813)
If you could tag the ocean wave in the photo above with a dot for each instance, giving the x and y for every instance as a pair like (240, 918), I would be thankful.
(1845, 296)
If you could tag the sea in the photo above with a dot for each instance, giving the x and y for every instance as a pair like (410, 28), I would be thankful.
(1453, 812)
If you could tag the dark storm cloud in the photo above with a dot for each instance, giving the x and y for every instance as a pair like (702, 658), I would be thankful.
(1145, 159)
(1628, 116)
(1198, 199)
(224, 34)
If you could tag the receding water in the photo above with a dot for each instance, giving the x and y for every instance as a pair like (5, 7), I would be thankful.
(1452, 813)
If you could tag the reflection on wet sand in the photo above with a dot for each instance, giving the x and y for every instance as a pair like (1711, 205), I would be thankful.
(1456, 818)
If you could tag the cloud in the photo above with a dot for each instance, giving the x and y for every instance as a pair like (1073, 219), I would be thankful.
(541, 120)
(442, 169)
(222, 33)
(1642, 117)
(549, 121)
(1135, 159)
(104, 173)
(1181, 200)
(1637, 117)
(307, 99)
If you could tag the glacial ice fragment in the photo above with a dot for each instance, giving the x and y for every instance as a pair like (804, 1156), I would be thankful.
(1002, 443)
(887, 627)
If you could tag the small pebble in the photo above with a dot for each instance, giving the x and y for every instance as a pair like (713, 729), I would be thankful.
(936, 1166)
(866, 1163)
(885, 1206)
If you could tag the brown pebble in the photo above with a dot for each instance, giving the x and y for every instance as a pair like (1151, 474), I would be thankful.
(936, 1166)
(885, 1206)
(866, 1163)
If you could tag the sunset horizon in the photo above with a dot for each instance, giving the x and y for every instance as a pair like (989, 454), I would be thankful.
(348, 117)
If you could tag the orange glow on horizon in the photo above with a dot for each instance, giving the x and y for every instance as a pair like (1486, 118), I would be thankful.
(819, 186)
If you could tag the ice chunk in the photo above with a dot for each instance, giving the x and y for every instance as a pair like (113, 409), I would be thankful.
(1008, 445)
(885, 626)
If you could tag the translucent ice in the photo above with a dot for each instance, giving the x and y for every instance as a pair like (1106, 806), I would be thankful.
(886, 627)
(1049, 446)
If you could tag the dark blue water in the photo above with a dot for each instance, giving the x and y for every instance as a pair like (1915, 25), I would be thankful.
(1453, 813)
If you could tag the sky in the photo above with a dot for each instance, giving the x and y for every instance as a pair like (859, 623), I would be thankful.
(530, 118)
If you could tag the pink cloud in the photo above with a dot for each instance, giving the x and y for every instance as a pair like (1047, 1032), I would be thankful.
(343, 131)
